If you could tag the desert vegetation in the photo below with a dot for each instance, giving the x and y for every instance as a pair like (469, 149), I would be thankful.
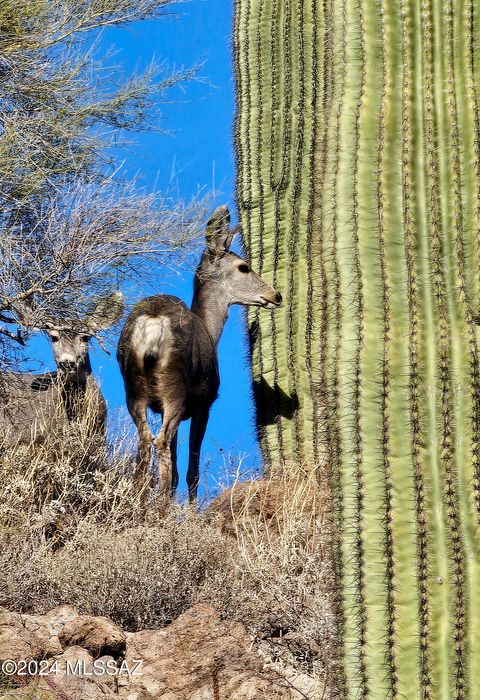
(76, 529)
(72, 227)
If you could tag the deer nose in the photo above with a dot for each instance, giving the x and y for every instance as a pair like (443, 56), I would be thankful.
(278, 298)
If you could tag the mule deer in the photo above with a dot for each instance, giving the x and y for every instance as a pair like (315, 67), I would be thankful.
(168, 353)
(36, 404)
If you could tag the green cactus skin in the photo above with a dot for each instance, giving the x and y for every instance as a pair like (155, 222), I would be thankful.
(279, 79)
(358, 150)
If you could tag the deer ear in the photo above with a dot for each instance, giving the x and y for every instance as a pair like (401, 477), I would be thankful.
(232, 233)
(217, 234)
(106, 312)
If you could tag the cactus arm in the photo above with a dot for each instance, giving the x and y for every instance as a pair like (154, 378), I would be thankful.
(282, 125)
(293, 206)
(316, 328)
(276, 157)
(286, 127)
(274, 57)
(280, 154)
(251, 202)
(307, 310)
(260, 247)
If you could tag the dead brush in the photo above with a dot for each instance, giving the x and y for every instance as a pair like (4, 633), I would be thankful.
(49, 487)
(282, 528)
(75, 529)
(288, 505)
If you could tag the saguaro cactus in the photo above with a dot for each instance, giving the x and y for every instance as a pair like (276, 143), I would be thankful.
(276, 57)
(358, 141)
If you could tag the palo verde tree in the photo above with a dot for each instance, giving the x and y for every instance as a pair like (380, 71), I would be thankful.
(358, 141)
(70, 227)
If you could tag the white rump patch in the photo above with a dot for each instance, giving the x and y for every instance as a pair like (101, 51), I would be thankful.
(152, 337)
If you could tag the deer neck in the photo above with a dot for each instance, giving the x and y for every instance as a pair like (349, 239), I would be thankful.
(212, 308)
(76, 380)
(74, 387)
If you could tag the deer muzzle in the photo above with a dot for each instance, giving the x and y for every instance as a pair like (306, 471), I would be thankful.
(67, 366)
(271, 299)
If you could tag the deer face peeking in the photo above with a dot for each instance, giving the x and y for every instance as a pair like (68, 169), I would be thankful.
(37, 404)
(70, 350)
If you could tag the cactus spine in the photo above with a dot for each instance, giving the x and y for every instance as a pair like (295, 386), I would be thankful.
(358, 144)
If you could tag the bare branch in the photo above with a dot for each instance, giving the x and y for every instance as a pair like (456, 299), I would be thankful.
(88, 241)
(70, 229)
(61, 20)
(17, 337)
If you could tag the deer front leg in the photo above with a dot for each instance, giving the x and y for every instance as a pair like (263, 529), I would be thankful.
(138, 411)
(166, 438)
(197, 433)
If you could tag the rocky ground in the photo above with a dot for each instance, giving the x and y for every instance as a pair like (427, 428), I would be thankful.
(81, 657)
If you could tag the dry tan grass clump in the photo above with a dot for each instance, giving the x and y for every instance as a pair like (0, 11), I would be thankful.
(75, 529)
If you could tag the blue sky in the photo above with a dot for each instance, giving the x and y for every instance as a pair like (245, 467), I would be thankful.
(200, 155)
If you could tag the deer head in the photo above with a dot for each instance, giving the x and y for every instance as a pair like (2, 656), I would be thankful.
(70, 343)
(226, 273)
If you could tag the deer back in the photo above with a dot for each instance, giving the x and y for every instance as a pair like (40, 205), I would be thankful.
(162, 338)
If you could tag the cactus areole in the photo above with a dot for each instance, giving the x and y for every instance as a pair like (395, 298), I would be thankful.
(358, 150)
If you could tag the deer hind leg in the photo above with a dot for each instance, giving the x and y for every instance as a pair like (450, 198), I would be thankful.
(172, 416)
(197, 433)
(138, 411)
(173, 457)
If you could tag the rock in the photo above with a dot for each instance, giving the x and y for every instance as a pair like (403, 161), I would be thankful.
(98, 635)
(71, 688)
(137, 693)
(77, 688)
(106, 669)
(16, 642)
(57, 618)
(199, 657)
(37, 626)
(73, 675)
(73, 657)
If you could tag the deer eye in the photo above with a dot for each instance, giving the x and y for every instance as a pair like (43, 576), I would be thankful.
(243, 267)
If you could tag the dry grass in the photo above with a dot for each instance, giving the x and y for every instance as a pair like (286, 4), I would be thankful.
(74, 529)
